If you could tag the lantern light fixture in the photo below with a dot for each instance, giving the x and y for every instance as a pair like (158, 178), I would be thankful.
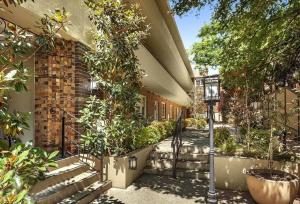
(132, 162)
(211, 85)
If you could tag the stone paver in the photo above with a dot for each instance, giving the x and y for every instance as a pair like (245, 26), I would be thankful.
(154, 189)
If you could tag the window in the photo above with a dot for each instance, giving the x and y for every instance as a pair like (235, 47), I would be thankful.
(155, 110)
(163, 110)
(142, 106)
(171, 111)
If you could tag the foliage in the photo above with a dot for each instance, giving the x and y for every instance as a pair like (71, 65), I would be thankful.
(229, 146)
(270, 49)
(14, 124)
(17, 46)
(206, 53)
(195, 123)
(154, 133)
(221, 134)
(23, 165)
(20, 169)
(3, 145)
(115, 69)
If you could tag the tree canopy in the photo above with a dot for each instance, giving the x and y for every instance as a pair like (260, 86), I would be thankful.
(261, 37)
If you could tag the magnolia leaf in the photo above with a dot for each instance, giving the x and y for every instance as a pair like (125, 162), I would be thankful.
(53, 154)
(8, 176)
(22, 157)
(10, 75)
(21, 196)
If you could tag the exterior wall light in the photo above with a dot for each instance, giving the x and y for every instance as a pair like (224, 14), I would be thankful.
(211, 89)
(132, 162)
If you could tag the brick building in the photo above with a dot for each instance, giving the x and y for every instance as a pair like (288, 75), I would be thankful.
(60, 79)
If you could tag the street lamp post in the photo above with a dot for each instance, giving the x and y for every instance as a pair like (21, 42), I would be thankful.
(211, 85)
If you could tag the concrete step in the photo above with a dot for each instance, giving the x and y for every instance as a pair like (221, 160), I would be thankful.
(191, 149)
(65, 162)
(168, 164)
(181, 156)
(88, 194)
(64, 189)
(58, 175)
(194, 174)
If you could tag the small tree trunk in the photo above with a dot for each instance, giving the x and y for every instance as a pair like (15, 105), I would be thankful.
(247, 115)
(271, 135)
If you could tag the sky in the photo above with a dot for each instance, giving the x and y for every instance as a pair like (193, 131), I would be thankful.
(189, 26)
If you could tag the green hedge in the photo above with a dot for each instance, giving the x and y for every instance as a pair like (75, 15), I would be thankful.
(154, 133)
(195, 123)
(221, 134)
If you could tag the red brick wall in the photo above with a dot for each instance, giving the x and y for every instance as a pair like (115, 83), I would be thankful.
(151, 98)
(61, 82)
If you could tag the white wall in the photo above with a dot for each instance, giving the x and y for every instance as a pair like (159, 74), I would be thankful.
(24, 102)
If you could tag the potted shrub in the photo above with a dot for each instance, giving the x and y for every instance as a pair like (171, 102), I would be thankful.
(269, 186)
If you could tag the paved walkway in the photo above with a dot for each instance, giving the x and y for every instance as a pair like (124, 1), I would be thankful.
(154, 189)
(196, 138)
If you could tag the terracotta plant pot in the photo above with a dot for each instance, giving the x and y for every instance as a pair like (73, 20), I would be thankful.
(267, 191)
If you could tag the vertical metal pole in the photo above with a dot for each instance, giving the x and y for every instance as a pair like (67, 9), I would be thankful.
(285, 120)
(212, 195)
(63, 135)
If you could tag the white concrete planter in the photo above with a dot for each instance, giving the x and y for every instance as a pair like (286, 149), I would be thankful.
(231, 171)
(116, 169)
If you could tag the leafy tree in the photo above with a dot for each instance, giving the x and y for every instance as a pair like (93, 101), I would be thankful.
(262, 36)
(115, 69)
(252, 42)
(207, 52)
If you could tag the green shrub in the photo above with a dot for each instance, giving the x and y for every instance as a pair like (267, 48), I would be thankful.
(195, 123)
(258, 137)
(229, 146)
(201, 123)
(188, 122)
(3, 145)
(259, 140)
(154, 133)
(160, 127)
(221, 134)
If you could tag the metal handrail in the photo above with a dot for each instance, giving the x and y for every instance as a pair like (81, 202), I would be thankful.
(177, 140)
(81, 148)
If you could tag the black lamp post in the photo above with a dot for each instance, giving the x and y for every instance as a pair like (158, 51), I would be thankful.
(211, 85)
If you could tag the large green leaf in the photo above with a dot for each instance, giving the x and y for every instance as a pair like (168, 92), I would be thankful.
(21, 196)
(23, 156)
(8, 176)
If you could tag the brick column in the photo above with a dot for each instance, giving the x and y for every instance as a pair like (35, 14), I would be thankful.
(60, 83)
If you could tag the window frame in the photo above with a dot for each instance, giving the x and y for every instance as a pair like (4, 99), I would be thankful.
(163, 110)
